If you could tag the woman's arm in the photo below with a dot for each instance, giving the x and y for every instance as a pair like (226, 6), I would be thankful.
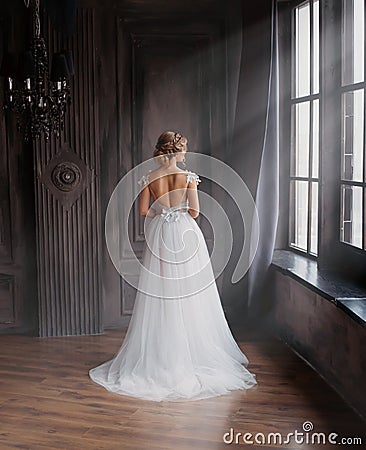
(144, 203)
(194, 207)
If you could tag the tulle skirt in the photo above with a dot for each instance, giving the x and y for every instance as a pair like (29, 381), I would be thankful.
(176, 348)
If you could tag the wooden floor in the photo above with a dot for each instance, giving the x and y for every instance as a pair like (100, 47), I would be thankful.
(47, 401)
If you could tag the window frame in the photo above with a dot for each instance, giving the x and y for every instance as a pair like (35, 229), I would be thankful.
(333, 254)
(294, 100)
(352, 87)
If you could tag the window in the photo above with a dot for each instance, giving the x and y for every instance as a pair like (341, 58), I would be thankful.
(323, 131)
(352, 189)
(304, 104)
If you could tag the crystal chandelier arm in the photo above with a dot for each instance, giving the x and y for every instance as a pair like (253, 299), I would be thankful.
(38, 102)
(36, 19)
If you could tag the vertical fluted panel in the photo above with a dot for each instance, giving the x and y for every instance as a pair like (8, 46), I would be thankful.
(69, 224)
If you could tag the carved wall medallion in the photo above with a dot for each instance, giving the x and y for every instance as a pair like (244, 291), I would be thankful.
(67, 176)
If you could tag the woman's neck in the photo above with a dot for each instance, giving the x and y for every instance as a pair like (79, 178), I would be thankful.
(172, 164)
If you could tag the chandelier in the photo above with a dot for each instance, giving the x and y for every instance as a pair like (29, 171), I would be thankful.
(38, 98)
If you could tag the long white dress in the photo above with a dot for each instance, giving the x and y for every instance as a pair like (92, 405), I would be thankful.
(177, 347)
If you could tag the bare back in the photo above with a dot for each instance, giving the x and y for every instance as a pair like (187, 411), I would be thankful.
(169, 187)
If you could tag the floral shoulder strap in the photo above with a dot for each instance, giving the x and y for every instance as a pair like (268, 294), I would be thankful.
(143, 181)
(193, 176)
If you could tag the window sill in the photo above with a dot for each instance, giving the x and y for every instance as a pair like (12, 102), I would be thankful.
(345, 294)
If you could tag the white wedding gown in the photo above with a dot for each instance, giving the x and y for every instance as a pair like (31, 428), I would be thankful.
(177, 347)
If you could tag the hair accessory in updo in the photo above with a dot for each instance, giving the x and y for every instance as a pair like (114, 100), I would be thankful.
(169, 143)
(177, 138)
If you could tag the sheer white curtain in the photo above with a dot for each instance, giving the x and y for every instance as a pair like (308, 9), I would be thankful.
(254, 154)
(267, 193)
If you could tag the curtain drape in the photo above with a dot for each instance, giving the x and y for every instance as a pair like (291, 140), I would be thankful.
(254, 153)
(267, 194)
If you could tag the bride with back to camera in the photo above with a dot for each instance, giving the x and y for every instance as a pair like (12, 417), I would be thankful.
(178, 345)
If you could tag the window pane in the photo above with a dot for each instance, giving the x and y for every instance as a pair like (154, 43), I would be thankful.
(315, 165)
(351, 215)
(316, 47)
(314, 219)
(299, 214)
(302, 50)
(352, 135)
(301, 138)
(353, 41)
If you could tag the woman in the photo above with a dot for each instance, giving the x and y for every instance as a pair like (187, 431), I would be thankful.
(178, 345)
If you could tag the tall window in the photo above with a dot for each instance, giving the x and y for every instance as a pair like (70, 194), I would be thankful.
(323, 131)
(305, 104)
(353, 186)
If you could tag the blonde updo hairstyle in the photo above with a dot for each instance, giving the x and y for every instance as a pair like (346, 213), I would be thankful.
(169, 143)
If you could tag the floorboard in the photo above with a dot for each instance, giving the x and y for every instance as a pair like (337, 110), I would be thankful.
(47, 401)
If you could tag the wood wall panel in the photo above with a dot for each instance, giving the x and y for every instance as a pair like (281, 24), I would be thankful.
(7, 300)
(68, 224)
(18, 297)
(77, 284)
(331, 341)
(5, 229)
(170, 91)
(5, 240)
(166, 80)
